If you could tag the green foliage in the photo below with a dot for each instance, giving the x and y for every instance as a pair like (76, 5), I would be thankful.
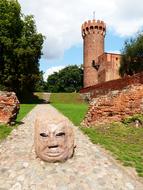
(71, 105)
(131, 119)
(40, 84)
(20, 49)
(124, 142)
(132, 59)
(69, 79)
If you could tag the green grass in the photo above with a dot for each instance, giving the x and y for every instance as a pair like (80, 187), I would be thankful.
(71, 105)
(126, 143)
(24, 109)
(74, 112)
(66, 98)
(5, 130)
(123, 140)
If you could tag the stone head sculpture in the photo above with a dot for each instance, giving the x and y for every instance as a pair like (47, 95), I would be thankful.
(54, 140)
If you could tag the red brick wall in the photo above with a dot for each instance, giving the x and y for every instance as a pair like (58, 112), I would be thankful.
(102, 76)
(115, 106)
(104, 88)
(109, 62)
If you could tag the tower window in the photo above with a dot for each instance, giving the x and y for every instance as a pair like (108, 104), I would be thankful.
(93, 63)
(96, 66)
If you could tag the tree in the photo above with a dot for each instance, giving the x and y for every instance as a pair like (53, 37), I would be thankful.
(40, 84)
(69, 79)
(10, 30)
(21, 49)
(132, 56)
(27, 54)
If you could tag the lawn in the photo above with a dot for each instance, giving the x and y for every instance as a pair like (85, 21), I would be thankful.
(71, 105)
(123, 140)
(66, 98)
(24, 109)
(5, 130)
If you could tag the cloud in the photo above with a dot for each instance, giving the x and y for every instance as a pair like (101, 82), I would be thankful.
(51, 71)
(60, 20)
(115, 51)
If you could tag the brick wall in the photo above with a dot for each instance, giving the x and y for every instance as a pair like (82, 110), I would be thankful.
(115, 106)
(109, 63)
(119, 84)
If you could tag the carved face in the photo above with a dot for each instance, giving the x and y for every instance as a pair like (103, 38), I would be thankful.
(54, 141)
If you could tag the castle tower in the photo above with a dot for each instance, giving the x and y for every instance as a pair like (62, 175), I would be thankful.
(93, 33)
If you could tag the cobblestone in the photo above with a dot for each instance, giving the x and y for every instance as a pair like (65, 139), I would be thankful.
(91, 168)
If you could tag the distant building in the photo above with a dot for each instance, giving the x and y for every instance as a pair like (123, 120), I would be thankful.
(98, 65)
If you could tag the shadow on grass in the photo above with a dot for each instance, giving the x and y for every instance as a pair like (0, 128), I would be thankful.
(33, 99)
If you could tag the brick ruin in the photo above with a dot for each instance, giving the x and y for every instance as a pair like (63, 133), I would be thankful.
(9, 107)
(98, 65)
(115, 106)
(114, 100)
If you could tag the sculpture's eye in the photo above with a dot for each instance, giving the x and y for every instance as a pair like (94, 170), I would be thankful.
(60, 134)
(43, 135)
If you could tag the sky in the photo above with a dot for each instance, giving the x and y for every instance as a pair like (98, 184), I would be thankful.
(60, 22)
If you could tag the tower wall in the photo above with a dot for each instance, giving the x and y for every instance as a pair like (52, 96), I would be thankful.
(93, 33)
(109, 67)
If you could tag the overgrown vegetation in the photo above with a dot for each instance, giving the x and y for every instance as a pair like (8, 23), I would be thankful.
(5, 130)
(20, 50)
(132, 56)
(133, 119)
(71, 105)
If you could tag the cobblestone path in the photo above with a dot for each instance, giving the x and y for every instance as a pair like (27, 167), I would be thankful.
(91, 168)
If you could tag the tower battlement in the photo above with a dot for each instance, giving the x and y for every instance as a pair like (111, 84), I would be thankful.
(94, 26)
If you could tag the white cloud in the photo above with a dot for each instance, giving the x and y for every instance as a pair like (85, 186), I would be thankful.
(115, 51)
(60, 20)
(51, 71)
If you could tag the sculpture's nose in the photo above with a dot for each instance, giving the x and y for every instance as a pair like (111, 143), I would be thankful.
(52, 142)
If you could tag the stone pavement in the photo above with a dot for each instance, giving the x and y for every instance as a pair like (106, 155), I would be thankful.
(91, 168)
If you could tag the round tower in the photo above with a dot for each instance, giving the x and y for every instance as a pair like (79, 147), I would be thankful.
(93, 33)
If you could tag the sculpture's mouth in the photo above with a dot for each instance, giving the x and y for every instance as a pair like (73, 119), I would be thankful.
(54, 151)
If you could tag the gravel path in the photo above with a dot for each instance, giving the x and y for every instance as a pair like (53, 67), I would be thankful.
(91, 168)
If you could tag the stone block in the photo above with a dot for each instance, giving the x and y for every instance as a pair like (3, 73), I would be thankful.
(9, 107)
